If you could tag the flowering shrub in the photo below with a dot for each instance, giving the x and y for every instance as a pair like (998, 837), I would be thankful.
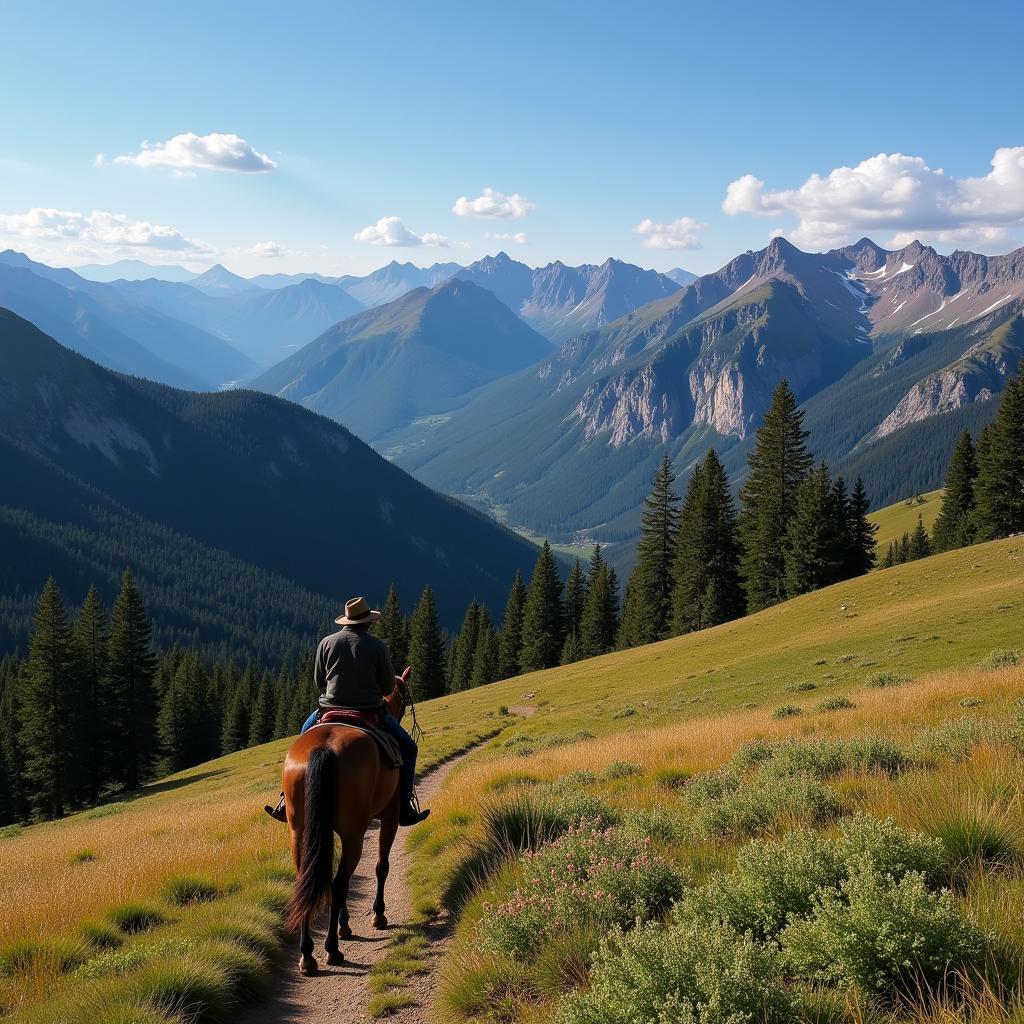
(589, 876)
(888, 848)
(691, 972)
(875, 931)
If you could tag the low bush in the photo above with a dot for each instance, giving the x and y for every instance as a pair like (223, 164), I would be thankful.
(691, 972)
(825, 759)
(671, 778)
(957, 738)
(836, 704)
(247, 971)
(129, 958)
(589, 877)
(889, 849)
(621, 770)
(132, 918)
(753, 808)
(770, 881)
(804, 687)
(787, 711)
(509, 780)
(1000, 658)
(877, 933)
(185, 890)
(882, 680)
(627, 712)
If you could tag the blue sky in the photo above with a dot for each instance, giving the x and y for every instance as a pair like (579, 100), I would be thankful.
(616, 129)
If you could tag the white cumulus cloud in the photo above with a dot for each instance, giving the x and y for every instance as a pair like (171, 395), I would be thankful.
(681, 233)
(100, 232)
(189, 152)
(269, 250)
(390, 231)
(493, 205)
(895, 193)
(519, 237)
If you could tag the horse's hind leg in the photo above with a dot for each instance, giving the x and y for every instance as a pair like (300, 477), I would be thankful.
(351, 851)
(388, 830)
(307, 963)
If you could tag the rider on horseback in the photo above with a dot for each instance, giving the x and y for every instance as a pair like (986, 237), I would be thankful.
(353, 672)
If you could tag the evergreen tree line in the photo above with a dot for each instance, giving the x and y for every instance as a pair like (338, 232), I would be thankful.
(700, 561)
(984, 495)
(94, 710)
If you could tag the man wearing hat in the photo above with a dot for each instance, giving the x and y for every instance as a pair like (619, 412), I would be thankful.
(352, 671)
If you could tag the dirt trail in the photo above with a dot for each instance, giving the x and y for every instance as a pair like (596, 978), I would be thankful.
(339, 995)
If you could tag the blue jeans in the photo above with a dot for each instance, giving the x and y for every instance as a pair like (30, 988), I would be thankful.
(407, 773)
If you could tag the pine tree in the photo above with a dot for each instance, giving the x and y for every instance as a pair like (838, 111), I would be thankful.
(706, 565)
(920, 545)
(575, 598)
(816, 542)
(543, 616)
(426, 648)
(510, 640)
(261, 721)
(185, 725)
(132, 667)
(393, 629)
(485, 658)
(861, 544)
(778, 465)
(89, 643)
(903, 549)
(306, 698)
(999, 492)
(647, 615)
(234, 732)
(12, 804)
(49, 709)
(954, 525)
(462, 653)
(571, 650)
(286, 684)
(599, 624)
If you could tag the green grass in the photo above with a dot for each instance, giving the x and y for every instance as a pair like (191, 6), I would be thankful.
(895, 520)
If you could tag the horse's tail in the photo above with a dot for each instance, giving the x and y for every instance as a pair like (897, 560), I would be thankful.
(313, 884)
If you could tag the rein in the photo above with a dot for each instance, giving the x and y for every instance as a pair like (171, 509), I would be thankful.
(408, 703)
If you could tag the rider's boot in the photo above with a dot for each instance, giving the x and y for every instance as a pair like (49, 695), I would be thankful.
(278, 813)
(410, 814)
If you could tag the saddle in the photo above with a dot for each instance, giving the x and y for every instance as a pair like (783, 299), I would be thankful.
(369, 722)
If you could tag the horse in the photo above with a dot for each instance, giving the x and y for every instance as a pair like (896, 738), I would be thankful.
(335, 781)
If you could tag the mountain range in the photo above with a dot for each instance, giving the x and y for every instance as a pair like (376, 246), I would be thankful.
(206, 490)
(422, 355)
(560, 301)
(879, 345)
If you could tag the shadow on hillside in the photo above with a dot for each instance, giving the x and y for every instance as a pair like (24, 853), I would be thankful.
(156, 789)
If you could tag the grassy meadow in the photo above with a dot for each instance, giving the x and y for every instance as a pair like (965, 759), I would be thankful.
(137, 910)
(895, 520)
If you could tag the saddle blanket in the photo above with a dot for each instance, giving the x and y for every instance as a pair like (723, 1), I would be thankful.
(366, 723)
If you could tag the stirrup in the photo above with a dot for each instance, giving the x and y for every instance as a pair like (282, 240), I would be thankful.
(278, 813)
(412, 813)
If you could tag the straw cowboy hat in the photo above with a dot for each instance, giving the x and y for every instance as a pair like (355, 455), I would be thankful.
(357, 613)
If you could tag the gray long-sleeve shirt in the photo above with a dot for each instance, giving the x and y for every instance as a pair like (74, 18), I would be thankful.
(353, 670)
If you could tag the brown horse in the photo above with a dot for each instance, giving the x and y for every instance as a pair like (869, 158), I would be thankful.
(335, 781)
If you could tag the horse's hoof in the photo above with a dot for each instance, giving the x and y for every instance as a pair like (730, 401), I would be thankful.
(380, 922)
(344, 932)
(336, 958)
(307, 965)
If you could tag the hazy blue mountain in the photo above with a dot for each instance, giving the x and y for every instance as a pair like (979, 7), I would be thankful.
(222, 482)
(133, 270)
(420, 356)
(283, 280)
(393, 281)
(560, 301)
(218, 280)
(680, 276)
(267, 324)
